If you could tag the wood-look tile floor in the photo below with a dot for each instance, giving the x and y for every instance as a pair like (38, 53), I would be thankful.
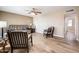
(51, 45)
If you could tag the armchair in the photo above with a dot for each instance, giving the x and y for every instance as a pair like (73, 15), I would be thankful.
(49, 32)
(19, 40)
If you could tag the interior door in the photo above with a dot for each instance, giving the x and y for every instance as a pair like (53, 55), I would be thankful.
(70, 27)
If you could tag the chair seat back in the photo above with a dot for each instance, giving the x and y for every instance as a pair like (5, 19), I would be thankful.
(18, 39)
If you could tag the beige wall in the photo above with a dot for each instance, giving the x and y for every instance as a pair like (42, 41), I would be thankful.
(15, 19)
(55, 19)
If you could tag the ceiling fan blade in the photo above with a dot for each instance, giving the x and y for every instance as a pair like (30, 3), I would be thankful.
(29, 12)
(36, 14)
(34, 10)
(39, 12)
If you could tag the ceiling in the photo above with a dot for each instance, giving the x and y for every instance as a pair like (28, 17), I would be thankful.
(22, 9)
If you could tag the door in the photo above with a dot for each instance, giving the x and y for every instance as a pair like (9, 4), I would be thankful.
(70, 29)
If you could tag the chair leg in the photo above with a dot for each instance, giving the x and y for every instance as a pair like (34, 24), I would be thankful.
(52, 35)
(27, 49)
(11, 50)
(31, 41)
(46, 35)
(43, 34)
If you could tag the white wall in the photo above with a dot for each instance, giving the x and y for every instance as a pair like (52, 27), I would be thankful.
(55, 19)
(77, 12)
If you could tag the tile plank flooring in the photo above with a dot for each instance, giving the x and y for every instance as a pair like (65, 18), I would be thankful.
(51, 45)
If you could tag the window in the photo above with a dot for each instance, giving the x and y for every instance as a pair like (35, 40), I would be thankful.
(70, 23)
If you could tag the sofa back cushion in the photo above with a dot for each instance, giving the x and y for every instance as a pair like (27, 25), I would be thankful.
(18, 27)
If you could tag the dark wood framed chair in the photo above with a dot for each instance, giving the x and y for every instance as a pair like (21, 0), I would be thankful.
(49, 32)
(19, 40)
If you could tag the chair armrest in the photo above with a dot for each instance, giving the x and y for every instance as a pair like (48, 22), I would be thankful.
(45, 30)
(29, 36)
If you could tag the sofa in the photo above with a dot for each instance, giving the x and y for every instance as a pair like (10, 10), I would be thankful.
(19, 27)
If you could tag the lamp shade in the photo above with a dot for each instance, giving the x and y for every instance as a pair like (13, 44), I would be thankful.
(3, 24)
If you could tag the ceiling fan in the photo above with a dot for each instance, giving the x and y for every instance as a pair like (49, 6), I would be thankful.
(34, 11)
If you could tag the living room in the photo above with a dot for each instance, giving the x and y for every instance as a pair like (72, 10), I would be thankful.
(40, 18)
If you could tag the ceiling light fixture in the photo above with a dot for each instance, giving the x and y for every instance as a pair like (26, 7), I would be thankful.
(34, 11)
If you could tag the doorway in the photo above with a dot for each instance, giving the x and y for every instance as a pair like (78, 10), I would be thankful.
(70, 27)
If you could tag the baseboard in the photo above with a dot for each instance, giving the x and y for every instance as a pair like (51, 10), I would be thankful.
(55, 36)
(58, 37)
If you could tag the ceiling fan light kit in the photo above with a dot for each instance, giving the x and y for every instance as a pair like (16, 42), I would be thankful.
(34, 11)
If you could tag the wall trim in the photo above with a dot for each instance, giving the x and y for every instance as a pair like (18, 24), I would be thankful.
(56, 36)
(59, 36)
